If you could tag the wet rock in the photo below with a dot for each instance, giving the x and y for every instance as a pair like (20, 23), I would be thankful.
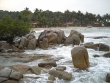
(96, 56)
(20, 68)
(73, 39)
(23, 42)
(47, 62)
(107, 55)
(3, 79)
(61, 74)
(32, 44)
(16, 75)
(5, 72)
(90, 45)
(36, 70)
(103, 47)
(80, 57)
(30, 36)
(61, 68)
(10, 81)
(108, 77)
(51, 77)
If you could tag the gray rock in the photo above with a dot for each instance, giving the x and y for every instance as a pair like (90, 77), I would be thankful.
(5, 72)
(103, 47)
(61, 74)
(36, 70)
(16, 75)
(3, 79)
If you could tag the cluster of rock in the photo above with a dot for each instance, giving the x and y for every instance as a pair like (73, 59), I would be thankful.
(14, 74)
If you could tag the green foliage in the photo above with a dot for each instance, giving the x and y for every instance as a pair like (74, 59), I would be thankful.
(13, 27)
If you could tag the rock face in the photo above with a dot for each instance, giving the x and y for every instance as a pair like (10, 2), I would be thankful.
(103, 47)
(80, 57)
(108, 78)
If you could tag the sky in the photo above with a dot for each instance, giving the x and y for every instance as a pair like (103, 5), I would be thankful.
(91, 6)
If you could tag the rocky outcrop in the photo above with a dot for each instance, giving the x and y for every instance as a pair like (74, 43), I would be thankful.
(50, 37)
(80, 57)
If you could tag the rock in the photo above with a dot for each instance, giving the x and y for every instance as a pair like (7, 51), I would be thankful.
(78, 34)
(5, 72)
(90, 45)
(80, 57)
(103, 47)
(10, 81)
(108, 78)
(23, 42)
(107, 55)
(51, 77)
(73, 39)
(3, 79)
(47, 63)
(96, 56)
(20, 68)
(45, 43)
(32, 44)
(4, 46)
(30, 36)
(61, 68)
(36, 70)
(61, 74)
(16, 75)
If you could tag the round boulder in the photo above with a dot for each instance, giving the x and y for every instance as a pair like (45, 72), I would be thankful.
(80, 57)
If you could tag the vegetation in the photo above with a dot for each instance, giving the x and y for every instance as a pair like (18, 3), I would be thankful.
(18, 23)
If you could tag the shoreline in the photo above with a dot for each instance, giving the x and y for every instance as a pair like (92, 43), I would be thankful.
(56, 28)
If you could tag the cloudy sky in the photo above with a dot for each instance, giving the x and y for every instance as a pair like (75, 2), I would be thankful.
(92, 6)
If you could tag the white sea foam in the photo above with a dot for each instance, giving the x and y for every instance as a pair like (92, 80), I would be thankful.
(99, 66)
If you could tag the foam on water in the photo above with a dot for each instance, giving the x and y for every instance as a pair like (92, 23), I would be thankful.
(99, 66)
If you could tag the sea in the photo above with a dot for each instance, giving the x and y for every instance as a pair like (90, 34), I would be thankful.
(99, 66)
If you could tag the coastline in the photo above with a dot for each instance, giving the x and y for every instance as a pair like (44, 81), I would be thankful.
(56, 28)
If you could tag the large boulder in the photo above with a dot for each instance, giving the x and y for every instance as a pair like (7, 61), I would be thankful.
(78, 34)
(54, 37)
(23, 42)
(32, 44)
(80, 57)
(103, 47)
(74, 39)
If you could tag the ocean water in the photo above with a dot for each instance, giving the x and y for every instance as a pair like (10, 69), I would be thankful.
(99, 66)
